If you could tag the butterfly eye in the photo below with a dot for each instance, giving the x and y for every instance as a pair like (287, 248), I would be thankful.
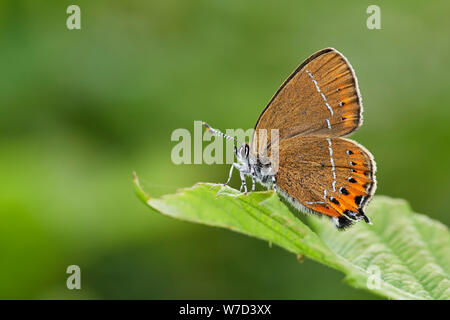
(235, 150)
(246, 150)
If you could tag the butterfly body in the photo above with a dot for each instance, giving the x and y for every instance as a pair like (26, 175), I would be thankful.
(298, 146)
(249, 164)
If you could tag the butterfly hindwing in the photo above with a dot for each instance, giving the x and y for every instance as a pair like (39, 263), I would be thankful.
(327, 175)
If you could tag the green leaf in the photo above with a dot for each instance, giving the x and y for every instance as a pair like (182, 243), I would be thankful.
(410, 250)
(403, 255)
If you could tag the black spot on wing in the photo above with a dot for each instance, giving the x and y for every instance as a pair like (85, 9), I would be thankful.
(343, 223)
(334, 200)
(358, 200)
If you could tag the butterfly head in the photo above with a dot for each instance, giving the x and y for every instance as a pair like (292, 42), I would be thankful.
(242, 152)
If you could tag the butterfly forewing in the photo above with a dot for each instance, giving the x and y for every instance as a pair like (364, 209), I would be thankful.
(320, 98)
(332, 176)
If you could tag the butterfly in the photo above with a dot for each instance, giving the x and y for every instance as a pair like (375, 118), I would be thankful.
(313, 166)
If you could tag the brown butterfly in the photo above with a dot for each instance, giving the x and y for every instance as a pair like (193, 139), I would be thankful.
(306, 160)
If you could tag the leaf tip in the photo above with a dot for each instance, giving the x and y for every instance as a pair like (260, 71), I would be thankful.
(138, 189)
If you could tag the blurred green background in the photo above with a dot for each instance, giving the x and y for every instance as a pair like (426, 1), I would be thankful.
(82, 109)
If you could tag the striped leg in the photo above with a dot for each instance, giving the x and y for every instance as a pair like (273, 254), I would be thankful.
(230, 174)
(253, 179)
(274, 183)
(244, 184)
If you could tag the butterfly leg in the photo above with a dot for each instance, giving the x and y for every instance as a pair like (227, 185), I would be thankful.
(274, 183)
(244, 184)
(253, 179)
(230, 174)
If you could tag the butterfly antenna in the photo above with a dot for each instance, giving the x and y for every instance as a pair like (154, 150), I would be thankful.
(218, 133)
